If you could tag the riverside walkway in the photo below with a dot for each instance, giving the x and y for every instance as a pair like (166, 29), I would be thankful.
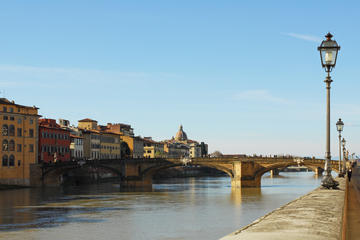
(317, 215)
(353, 207)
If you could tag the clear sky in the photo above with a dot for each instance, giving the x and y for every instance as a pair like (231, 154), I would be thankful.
(243, 76)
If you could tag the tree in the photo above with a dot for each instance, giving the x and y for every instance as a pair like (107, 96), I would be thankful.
(216, 154)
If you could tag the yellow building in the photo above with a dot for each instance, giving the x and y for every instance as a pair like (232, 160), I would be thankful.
(19, 138)
(110, 146)
(135, 145)
(99, 141)
(153, 149)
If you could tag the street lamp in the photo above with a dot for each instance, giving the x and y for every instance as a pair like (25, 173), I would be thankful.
(340, 127)
(328, 55)
(344, 156)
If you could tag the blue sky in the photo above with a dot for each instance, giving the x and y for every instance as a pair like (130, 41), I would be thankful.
(243, 76)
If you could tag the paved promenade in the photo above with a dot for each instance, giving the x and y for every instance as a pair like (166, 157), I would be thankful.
(316, 216)
(353, 210)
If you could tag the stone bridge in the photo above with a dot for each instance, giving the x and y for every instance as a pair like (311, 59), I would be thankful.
(243, 171)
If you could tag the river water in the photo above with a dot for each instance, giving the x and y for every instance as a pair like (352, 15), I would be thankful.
(175, 209)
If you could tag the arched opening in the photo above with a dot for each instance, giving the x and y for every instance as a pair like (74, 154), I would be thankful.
(12, 130)
(5, 130)
(12, 161)
(5, 145)
(145, 177)
(12, 145)
(313, 168)
(5, 161)
(80, 174)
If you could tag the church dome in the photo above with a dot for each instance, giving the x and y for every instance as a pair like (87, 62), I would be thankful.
(181, 135)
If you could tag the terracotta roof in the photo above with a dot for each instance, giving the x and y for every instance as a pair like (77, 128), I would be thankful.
(89, 130)
(74, 136)
(87, 120)
(6, 101)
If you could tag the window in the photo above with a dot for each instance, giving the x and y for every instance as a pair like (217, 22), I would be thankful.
(5, 145)
(11, 109)
(11, 145)
(12, 161)
(31, 132)
(5, 130)
(18, 148)
(4, 109)
(12, 118)
(19, 163)
(19, 132)
(5, 117)
(12, 130)
(31, 148)
(19, 120)
(31, 121)
(18, 109)
(5, 161)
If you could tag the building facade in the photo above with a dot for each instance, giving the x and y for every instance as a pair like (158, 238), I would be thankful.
(135, 145)
(76, 147)
(54, 142)
(175, 149)
(91, 144)
(181, 146)
(19, 138)
(153, 149)
(110, 147)
(76, 140)
(120, 128)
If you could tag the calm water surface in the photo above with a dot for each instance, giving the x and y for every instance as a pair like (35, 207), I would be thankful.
(192, 208)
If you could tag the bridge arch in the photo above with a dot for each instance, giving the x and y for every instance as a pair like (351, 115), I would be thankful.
(314, 167)
(151, 171)
(53, 175)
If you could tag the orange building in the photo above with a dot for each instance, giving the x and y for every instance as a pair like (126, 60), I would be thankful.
(19, 138)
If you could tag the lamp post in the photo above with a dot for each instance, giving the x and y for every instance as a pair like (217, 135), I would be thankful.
(328, 55)
(344, 156)
(340, 127)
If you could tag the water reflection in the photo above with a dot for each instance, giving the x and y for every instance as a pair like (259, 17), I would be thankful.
(242, 195)
(172, 209)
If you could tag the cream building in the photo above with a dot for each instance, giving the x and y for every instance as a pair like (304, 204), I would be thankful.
(181, 146)
(153, 149)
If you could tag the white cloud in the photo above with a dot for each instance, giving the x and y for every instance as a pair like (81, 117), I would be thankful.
(259, 95)
(304, 37)
(54, 77)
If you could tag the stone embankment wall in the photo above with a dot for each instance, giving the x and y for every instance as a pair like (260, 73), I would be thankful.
(317, 216)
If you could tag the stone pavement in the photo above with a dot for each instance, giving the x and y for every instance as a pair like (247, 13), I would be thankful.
(353, 208)
(317, 215)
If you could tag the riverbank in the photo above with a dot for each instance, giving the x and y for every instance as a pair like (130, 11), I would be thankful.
(317, 215)
(353, 207)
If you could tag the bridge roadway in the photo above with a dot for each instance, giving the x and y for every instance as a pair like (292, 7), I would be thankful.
(243, 171)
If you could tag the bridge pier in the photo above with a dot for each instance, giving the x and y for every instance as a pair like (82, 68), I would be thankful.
(244, 175)
(274, 172)
(319, 171)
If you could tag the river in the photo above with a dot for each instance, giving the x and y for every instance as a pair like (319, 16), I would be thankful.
(175, 209)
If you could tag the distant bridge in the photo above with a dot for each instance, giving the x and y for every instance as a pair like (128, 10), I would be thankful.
(243, 171)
